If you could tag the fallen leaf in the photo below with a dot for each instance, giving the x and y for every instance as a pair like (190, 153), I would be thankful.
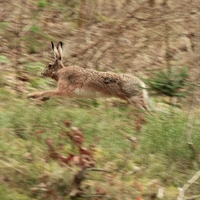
(67, 123)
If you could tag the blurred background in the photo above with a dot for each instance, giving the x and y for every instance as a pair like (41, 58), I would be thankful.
(100, 149)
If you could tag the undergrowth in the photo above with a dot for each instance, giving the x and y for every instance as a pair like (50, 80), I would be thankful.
(166, 134)
(137, 150)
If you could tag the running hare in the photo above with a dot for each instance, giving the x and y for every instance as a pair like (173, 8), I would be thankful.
(77, 82)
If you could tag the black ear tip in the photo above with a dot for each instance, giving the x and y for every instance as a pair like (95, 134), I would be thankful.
(61, 43)
(52, 44)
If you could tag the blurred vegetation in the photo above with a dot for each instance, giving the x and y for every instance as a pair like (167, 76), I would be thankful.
(170, 81)
(47, 147)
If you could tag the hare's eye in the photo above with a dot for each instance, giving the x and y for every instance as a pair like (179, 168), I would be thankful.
(50, 66)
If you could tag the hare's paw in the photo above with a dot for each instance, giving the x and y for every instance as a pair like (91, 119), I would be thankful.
(37, 96)
(33, 95)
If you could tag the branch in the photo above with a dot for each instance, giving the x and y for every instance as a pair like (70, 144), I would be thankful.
(193, 197)
(78, 178)
(187, 185)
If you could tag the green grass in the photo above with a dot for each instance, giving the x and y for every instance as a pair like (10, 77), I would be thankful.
(23, 118)
(162, 151)
(20, 120)
(167, 134)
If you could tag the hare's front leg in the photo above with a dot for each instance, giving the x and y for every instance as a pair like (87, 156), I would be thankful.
(50, 93)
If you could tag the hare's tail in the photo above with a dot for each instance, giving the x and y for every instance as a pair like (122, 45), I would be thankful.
(146, 98)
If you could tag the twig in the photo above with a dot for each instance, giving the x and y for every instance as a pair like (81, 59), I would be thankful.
(187, 185)
(9, 165)
(78, 178)
(192, 197)
(86, 170)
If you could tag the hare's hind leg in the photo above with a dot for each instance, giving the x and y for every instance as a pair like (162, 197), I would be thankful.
(44, 94)
(138, 102)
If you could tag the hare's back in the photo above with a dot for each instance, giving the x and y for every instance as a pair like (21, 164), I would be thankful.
(90, 83)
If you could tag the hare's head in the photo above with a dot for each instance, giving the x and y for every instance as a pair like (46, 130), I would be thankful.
(52, 68)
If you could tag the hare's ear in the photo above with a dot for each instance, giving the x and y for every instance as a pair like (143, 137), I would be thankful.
(59, 48)
(55, 51)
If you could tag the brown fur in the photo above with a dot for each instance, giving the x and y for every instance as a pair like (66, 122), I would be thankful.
(77, 82)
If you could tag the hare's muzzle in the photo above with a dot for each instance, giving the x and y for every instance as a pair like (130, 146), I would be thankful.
(43, 73)
(45, 70)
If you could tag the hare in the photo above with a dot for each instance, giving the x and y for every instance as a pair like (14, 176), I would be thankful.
(77, 82)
